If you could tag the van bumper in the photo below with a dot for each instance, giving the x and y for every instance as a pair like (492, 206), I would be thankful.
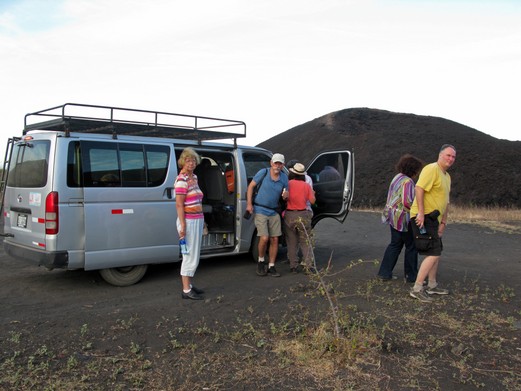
(51, 260)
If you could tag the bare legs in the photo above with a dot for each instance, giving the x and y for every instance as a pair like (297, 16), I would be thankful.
(274, 247)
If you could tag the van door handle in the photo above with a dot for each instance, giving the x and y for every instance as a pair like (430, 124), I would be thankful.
(76, 202)
(169, 191)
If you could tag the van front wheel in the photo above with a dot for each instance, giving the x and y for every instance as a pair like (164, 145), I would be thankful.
(123, 276)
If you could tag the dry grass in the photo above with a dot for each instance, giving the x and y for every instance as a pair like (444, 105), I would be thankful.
(498, 219)
(473, 213)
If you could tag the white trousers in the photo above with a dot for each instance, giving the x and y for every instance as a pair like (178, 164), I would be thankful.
(193, 237)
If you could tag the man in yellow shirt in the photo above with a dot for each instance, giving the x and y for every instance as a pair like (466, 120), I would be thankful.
(429, 210)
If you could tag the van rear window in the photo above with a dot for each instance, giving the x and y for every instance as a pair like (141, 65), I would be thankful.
(29, 164)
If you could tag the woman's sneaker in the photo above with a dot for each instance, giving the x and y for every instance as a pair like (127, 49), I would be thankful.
(421, 295)
(437, 291)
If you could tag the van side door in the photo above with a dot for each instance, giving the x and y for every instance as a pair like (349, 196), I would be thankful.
(129, 207)
(333, 175)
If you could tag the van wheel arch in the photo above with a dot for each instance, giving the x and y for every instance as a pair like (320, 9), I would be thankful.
(123, 276)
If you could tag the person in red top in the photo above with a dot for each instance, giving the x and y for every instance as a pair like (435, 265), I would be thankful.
(297, 218)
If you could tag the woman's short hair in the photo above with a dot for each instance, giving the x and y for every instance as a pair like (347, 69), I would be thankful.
(409, 165)
(187, 154)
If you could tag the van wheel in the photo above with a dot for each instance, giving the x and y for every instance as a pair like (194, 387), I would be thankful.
(123, 276)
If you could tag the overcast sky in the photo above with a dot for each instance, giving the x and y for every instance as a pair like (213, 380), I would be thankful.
(274, 64)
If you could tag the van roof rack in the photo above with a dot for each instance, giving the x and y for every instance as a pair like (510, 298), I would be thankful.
(84, 118)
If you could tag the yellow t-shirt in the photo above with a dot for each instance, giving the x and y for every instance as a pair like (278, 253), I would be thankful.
(436, 185)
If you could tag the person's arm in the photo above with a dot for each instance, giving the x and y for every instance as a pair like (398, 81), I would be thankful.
(180, 206)
(249, 196)
(420, 217)
(443, 222)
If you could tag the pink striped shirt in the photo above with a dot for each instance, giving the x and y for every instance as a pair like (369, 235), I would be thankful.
(184, 185)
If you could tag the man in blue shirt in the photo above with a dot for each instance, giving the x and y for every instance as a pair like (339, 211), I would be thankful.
(273, 184)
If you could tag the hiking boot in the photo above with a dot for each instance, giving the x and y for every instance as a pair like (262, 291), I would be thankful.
(273, 272)
(261, 268)
(421, 295)
(437, 291)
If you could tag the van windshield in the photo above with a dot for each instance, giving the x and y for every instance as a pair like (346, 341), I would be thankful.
(29, 164)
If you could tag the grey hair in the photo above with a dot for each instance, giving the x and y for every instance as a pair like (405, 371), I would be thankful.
(445, 146)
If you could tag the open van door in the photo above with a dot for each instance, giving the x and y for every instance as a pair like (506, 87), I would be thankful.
(333, 175)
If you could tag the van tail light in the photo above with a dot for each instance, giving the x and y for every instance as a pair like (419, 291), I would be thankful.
(51, 214)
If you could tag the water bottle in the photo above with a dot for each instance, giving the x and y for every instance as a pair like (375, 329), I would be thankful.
(182, 245)
(423, 231)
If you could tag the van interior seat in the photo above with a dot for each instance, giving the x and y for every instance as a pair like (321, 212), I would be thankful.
(200, 171)
(214, 184)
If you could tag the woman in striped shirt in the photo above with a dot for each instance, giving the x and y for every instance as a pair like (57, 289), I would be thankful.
(396, 214)
(190, 220)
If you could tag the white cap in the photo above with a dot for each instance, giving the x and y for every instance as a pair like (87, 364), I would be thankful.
(278, 157)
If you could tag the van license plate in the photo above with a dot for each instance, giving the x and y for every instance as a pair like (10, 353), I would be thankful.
(22, 221)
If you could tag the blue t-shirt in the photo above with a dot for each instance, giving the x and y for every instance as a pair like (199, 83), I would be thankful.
(269, 192)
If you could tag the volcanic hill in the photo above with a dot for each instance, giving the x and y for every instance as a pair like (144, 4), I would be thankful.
(486, 171)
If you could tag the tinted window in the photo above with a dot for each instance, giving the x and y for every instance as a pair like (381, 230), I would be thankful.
(329, 168)
(132, 165)
(29, 164)
(253, 162)
(157, 163)
(100, 164)
(112, 164)
(74, 174)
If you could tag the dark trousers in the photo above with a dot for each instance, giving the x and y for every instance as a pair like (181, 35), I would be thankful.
(398, 240)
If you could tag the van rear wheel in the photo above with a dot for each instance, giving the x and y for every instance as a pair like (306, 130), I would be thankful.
(124, 276)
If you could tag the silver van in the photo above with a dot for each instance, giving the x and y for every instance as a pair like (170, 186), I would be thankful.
(91, 187)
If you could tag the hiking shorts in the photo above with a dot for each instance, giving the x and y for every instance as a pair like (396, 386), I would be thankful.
(268, 225)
